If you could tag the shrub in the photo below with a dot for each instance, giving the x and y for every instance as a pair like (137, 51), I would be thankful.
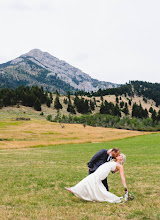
(49, 117)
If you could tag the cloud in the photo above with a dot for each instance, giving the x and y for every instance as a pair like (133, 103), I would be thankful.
(110, 40)
(27, 5)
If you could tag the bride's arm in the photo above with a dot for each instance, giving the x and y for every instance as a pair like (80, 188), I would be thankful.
(121, 172)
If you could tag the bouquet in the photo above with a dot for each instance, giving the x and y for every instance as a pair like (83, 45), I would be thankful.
(127, 197)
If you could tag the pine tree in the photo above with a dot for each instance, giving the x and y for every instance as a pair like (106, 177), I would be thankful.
(69, 95)
(48, 102)
(154, 115)
(125, 110)
(145, 113)
(158, 116)
(71, 108)
(86, 108)
(57, 104)
(121, 104)
(65, 101)
(81, 105)
(116, 111)
(37, 105)
(117, 100)
(92, 105)
(102, 109)
(150, 109)
(51, 97)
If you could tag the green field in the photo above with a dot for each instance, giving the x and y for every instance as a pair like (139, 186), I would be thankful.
(32, 181)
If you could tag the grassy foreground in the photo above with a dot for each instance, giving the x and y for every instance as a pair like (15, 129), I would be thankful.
(32, 181)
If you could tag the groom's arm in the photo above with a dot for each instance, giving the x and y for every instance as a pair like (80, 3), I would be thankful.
(96, 157)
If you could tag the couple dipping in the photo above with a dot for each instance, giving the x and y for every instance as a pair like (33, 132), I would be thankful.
(95, 187)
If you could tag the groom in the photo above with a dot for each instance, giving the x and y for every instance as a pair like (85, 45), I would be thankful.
(100, 158)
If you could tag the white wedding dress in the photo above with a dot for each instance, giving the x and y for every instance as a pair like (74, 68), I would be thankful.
(91, 188)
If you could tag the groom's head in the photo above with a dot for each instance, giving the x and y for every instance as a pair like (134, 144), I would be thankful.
(115, 152)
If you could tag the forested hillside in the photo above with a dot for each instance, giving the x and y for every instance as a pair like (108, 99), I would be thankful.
(131, 106)
(140, 88)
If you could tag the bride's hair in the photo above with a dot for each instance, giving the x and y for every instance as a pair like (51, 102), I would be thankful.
(123, 159)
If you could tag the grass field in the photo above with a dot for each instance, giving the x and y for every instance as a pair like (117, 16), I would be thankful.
(32, 181)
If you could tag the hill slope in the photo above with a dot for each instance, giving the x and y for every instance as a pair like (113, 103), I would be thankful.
(127, 109)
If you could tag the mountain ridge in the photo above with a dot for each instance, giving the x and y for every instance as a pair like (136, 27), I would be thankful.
(43, 69)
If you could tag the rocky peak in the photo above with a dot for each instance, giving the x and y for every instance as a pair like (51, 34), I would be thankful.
(39, 55)
(36, 62)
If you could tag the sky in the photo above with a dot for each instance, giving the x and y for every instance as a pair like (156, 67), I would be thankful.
(111, 40)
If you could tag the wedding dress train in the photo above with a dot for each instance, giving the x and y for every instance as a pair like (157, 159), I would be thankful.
(91, 188)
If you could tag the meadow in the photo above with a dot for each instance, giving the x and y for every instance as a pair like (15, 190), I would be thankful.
(39, 132)
(32, 181)
(39, 158)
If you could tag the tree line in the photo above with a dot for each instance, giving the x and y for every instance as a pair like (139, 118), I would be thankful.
(27, 96)
(108, 121)
(35, 97)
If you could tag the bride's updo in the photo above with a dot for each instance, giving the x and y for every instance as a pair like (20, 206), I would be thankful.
(123, 159)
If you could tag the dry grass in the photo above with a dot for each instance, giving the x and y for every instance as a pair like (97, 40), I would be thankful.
(43, 133)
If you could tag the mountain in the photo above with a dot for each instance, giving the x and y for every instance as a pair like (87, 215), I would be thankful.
(43, 69)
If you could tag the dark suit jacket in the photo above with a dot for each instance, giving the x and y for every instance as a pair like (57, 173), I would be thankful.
(98, 159)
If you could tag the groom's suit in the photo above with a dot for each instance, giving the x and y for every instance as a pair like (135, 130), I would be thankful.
(97, 160)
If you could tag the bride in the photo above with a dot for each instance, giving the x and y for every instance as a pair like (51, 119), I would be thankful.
(91, 188)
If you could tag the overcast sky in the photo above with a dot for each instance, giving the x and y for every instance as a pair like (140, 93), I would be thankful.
(111, 40)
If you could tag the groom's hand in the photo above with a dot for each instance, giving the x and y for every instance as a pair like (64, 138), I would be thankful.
(115, 171)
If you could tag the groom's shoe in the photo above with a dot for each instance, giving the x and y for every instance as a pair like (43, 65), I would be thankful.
(68, 189)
